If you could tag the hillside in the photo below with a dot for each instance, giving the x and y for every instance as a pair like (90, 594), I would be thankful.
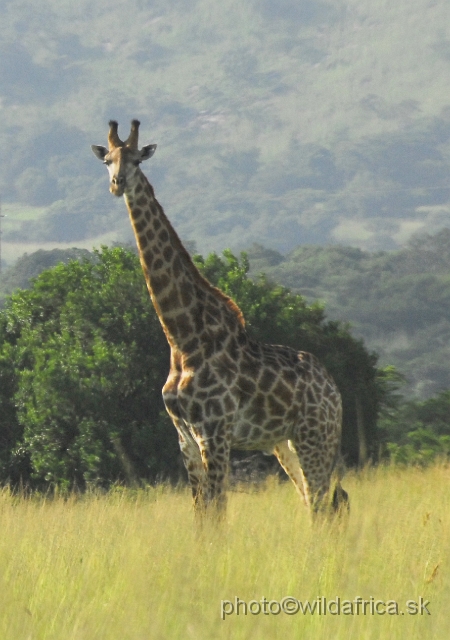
(397, 301)
(30, 266)
(282, 122)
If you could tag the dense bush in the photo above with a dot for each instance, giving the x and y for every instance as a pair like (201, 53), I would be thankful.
(88, 360)
(418, 432)
(83, 360)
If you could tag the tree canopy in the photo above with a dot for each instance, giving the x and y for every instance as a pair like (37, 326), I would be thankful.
(89, 361)
(83, 360)
(417, 432)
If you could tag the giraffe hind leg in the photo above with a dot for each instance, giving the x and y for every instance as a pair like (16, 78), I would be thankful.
(317, 450)
(317, 465)
(340, 501)
(289, 462)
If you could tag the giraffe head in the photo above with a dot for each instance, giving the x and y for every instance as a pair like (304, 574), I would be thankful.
(122, 159)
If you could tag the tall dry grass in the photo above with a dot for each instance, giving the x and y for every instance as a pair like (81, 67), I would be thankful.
(133, 565)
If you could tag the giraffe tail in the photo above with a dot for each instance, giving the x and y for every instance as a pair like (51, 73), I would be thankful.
(340, 501)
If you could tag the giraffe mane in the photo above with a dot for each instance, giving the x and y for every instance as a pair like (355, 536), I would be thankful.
(230, 303)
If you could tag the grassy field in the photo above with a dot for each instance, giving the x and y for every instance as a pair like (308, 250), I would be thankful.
(133, 565)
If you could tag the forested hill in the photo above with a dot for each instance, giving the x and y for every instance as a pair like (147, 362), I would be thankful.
(277, 121)
(398, 301)
(30, 266)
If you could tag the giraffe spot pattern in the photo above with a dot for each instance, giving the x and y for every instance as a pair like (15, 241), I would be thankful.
(159, 284)
(256, 412)
(186, 294)
(275, 407)
(192, 345)
(177, 267)
(143, 242)
(245, 386)
(229, 403)
(183, 325)
(213, 407)
(250, 367)
(206, 377)
(197, 318)
(140, 226)
(266, 380)
(168, 253)
(282, 392)
(171, 302)
(225, 368)
(196, 412)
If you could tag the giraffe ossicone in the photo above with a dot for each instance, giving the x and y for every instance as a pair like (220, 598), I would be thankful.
(225, 390)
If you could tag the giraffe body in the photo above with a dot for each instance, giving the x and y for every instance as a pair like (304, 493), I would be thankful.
(225, 391)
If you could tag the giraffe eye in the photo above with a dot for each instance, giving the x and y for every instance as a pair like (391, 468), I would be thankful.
(107, 162)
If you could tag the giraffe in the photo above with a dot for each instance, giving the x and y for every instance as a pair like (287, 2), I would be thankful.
(224, 389)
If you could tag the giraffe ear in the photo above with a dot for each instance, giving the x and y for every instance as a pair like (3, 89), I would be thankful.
(147, 151)
(100, 152)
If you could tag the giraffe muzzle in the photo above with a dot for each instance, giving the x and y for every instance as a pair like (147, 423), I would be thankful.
(117, 186)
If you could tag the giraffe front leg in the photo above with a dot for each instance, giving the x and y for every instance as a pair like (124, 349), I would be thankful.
(194, 467)
(190, 451)
(215, 454)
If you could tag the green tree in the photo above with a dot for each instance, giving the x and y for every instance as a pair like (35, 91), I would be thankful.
(90, 360)
(417, 432)
(83, 360)
(13, 465)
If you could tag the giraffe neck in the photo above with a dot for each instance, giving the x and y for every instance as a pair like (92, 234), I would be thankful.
(187, 305)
